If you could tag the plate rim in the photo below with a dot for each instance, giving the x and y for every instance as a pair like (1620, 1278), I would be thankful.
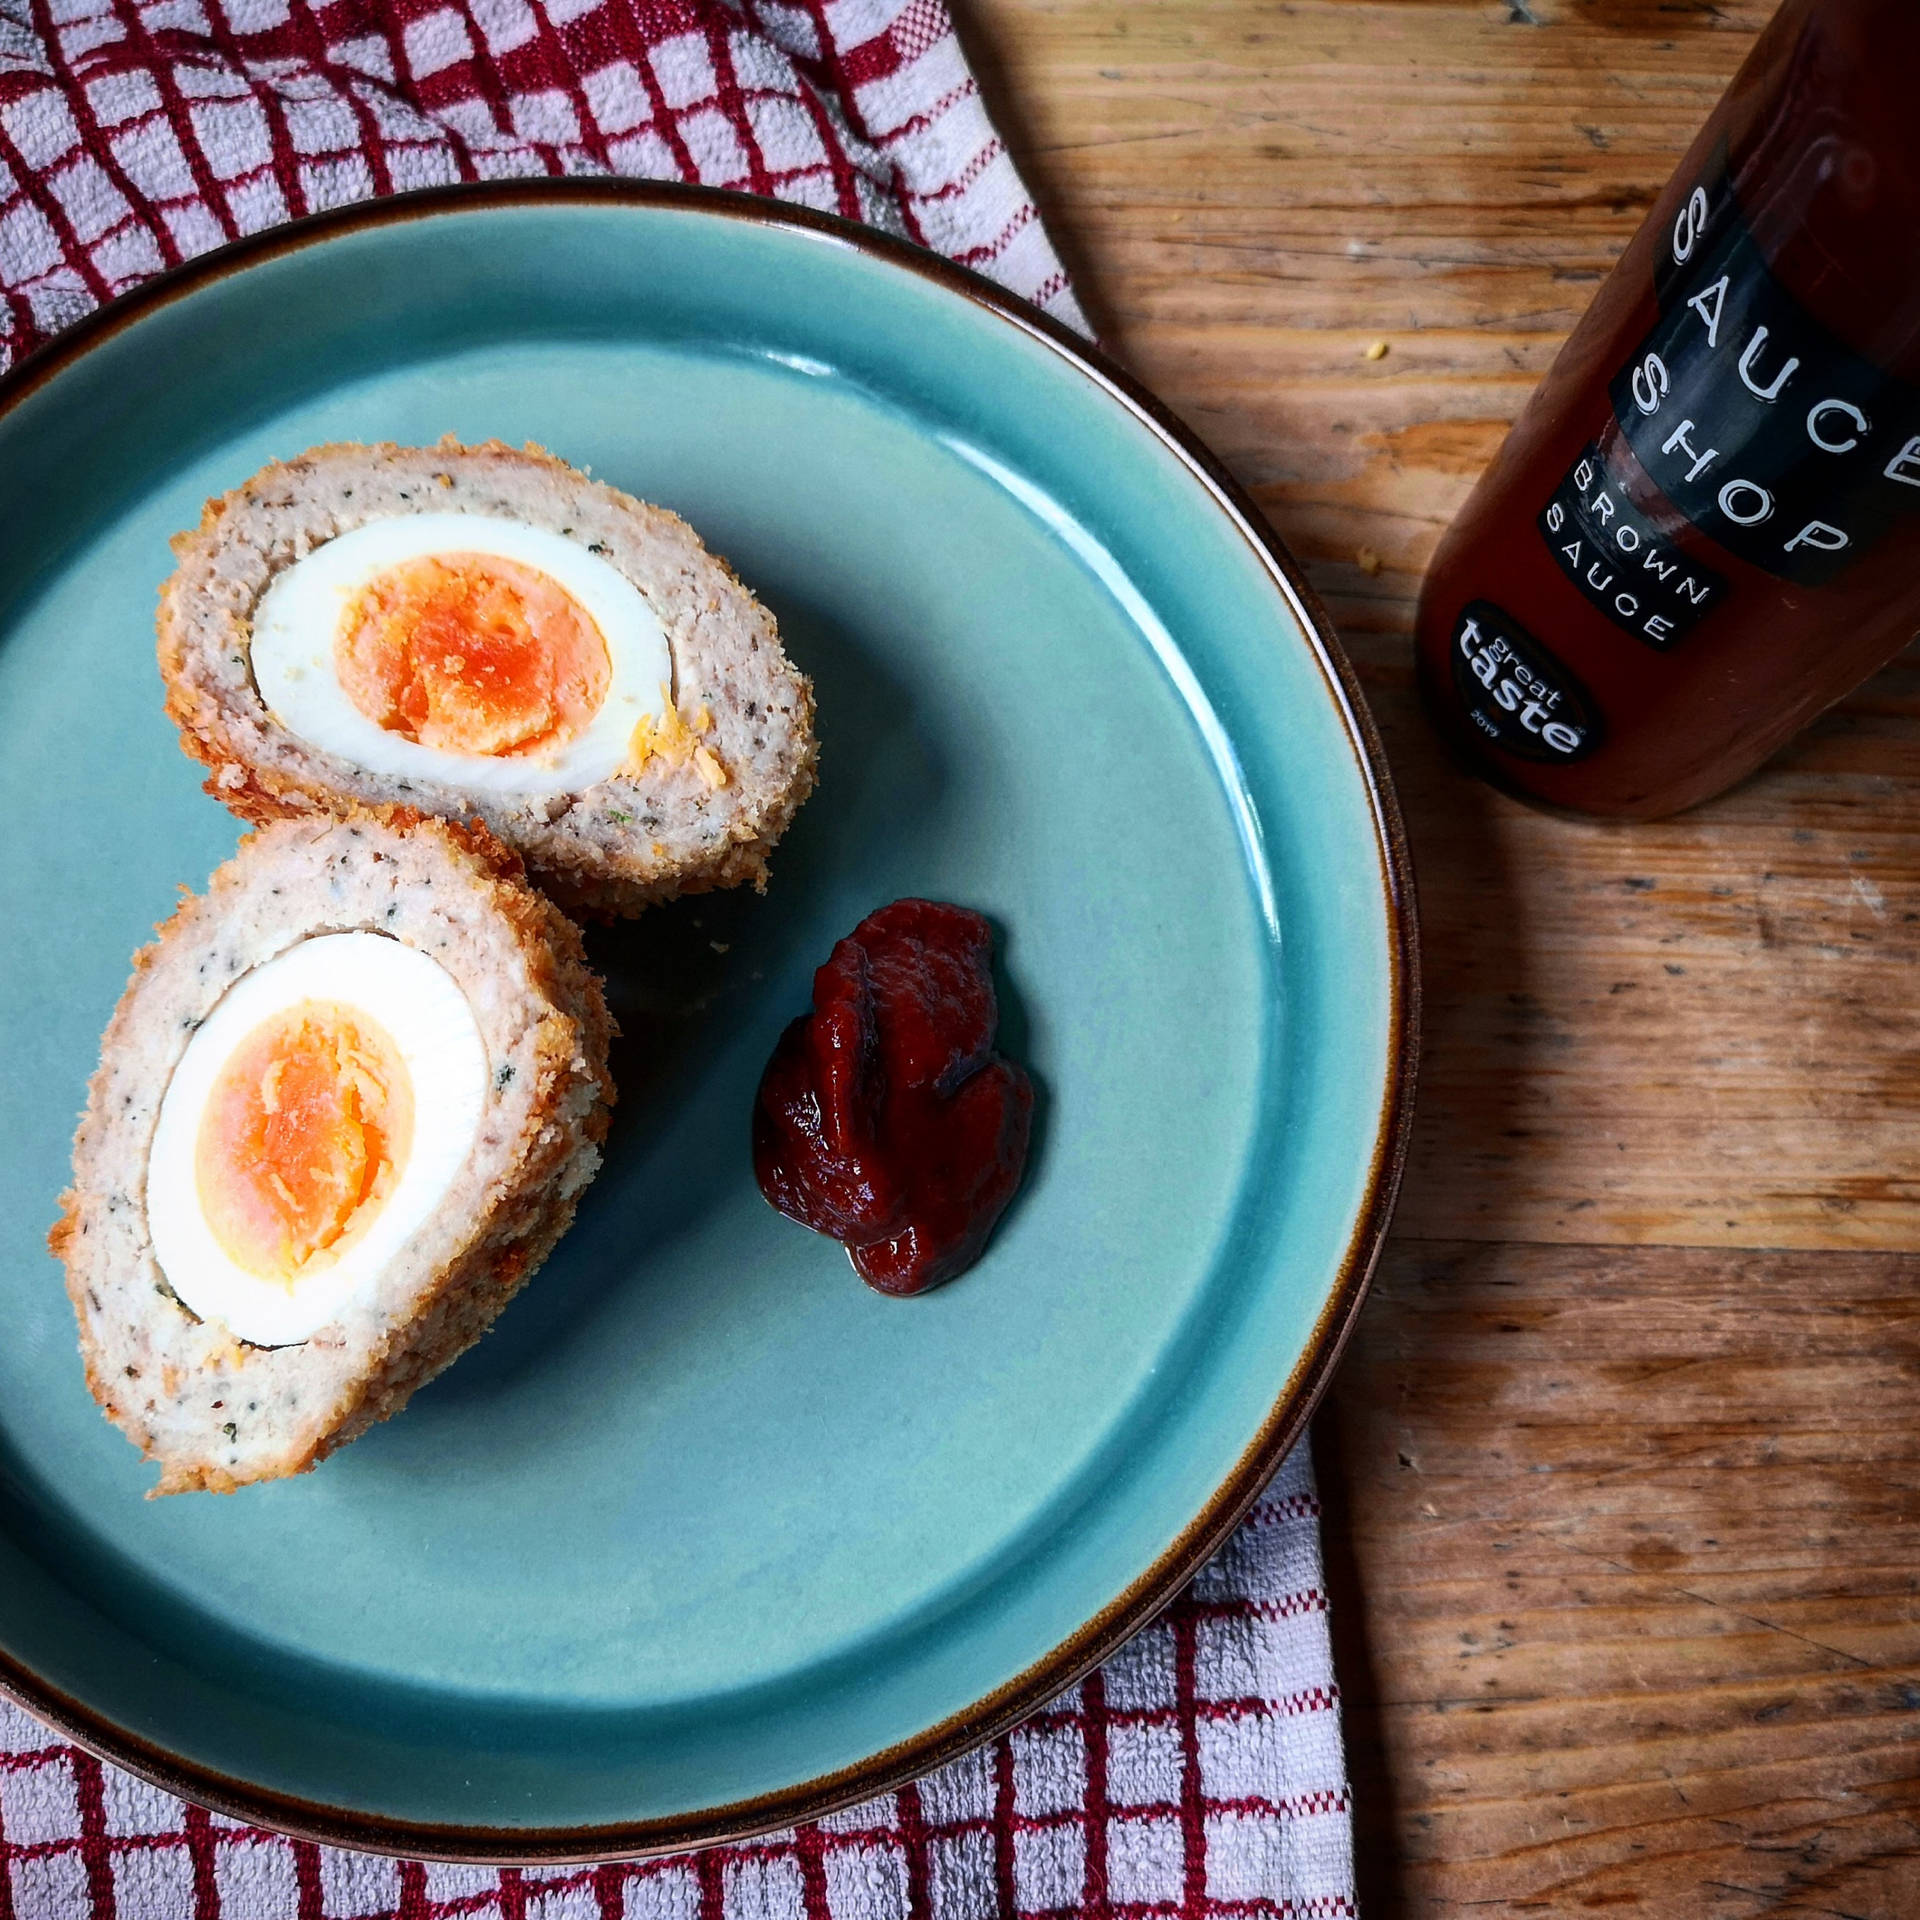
(1157, 1585)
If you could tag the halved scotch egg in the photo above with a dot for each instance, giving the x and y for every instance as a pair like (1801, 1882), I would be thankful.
(344, 1109)
(483, 631)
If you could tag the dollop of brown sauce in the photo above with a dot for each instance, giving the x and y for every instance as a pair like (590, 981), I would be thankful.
(885, 1118)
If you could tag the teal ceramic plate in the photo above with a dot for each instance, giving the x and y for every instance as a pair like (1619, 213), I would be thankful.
(706, 1536)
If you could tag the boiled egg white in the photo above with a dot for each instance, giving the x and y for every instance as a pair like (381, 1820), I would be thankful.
(412, 1002)
(298, 623)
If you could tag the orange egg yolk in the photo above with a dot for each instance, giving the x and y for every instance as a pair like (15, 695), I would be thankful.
(302, 1138)
(472, 654)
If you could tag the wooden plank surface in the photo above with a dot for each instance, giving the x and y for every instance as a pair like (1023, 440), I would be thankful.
(1623, 1475)
(1623, 1546)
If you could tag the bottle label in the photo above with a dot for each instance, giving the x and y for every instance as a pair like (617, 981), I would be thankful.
(1516, 692)
(1769, 434)
(1621, 560)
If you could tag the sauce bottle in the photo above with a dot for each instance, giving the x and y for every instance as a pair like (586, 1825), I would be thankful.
(1705, 527)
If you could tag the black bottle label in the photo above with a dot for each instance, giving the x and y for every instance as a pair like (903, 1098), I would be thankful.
(1621, 559)
(1516, 693)
(1766, 432)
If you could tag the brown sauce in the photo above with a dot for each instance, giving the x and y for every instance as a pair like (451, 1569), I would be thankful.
(1705, 527)
(885, 1118)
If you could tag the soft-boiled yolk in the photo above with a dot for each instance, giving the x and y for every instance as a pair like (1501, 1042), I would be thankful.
(471, 653)
(302, 1137)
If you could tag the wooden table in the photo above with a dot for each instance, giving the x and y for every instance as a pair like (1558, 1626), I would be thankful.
(1622, 1471)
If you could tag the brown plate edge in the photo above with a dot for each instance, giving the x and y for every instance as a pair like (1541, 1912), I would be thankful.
(1159, 1585)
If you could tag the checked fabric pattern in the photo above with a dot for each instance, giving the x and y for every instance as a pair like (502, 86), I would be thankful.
(1198, 1775)
(137, 133)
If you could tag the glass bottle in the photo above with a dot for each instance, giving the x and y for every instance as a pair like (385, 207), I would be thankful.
(1705, 527)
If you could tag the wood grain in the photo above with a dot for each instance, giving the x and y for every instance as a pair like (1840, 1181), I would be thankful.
(1622, 1467)
(1630, 1618)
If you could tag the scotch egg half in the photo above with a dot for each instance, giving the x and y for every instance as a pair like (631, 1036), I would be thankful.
(462, 650)
(314, 1123)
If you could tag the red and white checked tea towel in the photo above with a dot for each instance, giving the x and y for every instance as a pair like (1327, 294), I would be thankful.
(136, 133)
(1200, 1773)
